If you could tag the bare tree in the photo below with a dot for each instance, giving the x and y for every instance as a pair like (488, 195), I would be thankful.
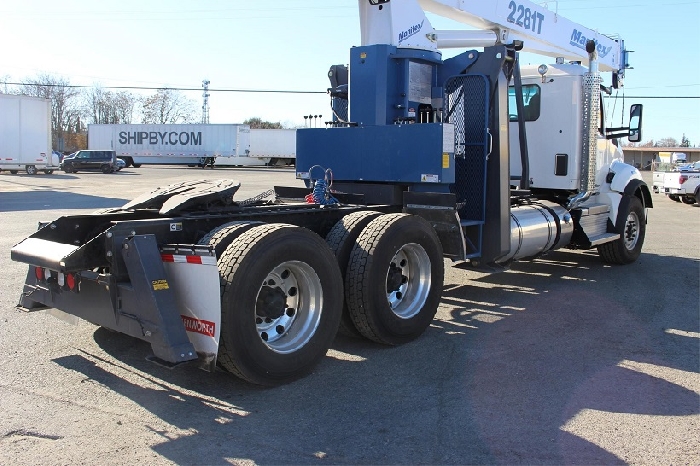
(667, 142)
(124, 103)
(5, 89)
(168, 106)
(64, 105)
(106, 107)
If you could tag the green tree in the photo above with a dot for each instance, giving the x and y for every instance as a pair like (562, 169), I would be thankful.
(684, 141)
(258, 123)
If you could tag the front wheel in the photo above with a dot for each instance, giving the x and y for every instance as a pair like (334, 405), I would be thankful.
(31, 170)
(394, 278)
(688, 199)
(631, 225)
(281, 301)
(136, 165)
(48, 172)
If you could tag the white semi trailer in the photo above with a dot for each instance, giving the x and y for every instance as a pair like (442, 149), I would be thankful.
(172, 144)
(25, 135)
(280, 145)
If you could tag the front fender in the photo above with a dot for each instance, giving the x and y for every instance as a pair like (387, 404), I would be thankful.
(628, 180)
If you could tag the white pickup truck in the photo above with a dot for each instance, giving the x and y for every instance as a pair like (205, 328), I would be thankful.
(680, 185)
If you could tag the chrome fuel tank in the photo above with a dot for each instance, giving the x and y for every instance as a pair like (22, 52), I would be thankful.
(536, 229)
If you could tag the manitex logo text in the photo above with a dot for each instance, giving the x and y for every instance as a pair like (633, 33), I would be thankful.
(413, 30)
(164, 138)
(579, 40)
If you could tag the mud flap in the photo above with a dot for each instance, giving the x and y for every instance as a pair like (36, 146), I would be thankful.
(194, 276)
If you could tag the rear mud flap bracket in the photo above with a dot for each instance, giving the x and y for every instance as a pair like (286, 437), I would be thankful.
(155, 300)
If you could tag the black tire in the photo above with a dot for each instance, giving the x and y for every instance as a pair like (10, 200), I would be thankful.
(48, 172)
(674, 197)
(14, 172)
(31, 170)
(385, 304)
(136, 165)
(262, 342)
(631, 225)
(688, 199)
(106, 169)
(697, 195)
(342, 239)
(220, 237)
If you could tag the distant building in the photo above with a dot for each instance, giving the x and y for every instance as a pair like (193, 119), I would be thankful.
(644, 157)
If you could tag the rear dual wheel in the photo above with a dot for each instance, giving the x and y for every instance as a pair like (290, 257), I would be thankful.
(342, 239)
(394, 278)
(281, 302)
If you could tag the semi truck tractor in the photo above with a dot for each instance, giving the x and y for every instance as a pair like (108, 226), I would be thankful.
(470, 160)
(25, 135)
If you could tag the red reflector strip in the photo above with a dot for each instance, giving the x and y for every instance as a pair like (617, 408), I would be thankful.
(202, 260)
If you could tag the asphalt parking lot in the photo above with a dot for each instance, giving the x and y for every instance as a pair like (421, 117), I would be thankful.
(562, 360)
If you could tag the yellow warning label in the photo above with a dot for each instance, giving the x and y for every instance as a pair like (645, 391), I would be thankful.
(445, 160)
(159, 285)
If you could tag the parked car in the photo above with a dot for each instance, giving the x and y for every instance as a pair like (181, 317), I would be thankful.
(58, 154)
(103, 160)
(120, 164)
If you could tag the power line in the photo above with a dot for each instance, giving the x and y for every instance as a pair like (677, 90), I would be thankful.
(149, 88)
(655, 97)
(278, 91)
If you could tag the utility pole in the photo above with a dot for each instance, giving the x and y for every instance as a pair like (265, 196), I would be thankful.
(205, 105)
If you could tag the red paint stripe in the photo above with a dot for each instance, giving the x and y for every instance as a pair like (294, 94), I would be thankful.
(167, 257)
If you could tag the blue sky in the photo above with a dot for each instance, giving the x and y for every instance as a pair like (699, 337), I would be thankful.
(272, 44)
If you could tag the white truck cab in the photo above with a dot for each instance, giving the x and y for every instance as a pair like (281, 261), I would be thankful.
(555, 160)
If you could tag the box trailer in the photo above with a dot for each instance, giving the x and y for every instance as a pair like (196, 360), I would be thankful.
(267, 147)
(171, 144)
(280, 145)
(25, 135)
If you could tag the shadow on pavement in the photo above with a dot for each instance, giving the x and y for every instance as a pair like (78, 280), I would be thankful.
(510, 364)
(54, 200)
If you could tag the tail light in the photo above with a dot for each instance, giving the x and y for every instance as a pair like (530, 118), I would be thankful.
(67, 281)
(682, 179)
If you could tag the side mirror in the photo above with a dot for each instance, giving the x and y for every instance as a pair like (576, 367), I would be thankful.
(635, 123)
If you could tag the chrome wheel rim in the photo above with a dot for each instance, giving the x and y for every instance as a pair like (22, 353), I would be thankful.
(631, 233)
(288, 306)
(408, 280)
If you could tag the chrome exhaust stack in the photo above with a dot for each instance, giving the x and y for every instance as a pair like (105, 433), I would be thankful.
(591, 119)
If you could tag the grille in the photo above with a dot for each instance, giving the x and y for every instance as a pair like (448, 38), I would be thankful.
(340, 109)
(466, 107)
